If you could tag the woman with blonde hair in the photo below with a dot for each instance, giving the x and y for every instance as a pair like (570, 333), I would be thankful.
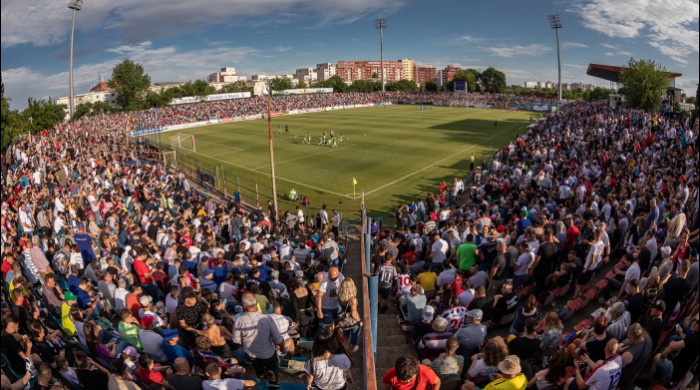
(347, 297)
(552, 333)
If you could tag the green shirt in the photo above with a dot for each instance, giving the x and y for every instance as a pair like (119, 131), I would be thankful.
(465, 252)
(130, 334)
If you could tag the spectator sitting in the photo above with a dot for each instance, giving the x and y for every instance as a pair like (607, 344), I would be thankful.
(471, 336)
(486, 363)
(121, 379)
(510, 377)
(170, 347)
(554, 372)
(685, 351)
(527, 345)
(448, 366)
(619, 321)
(407, 373)
(150, 372)
(129, 329)
(433, 343)
(214, 380)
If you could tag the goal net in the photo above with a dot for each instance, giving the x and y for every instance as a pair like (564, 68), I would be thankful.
(183, 143)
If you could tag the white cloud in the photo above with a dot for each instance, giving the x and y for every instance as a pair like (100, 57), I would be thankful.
(609, 54)
(162, 64)
(469, 38)
(47, 22)
(609, 46)
(574, 45)
(670, 26)
(282, 49)
(624, 53)
(534, 49)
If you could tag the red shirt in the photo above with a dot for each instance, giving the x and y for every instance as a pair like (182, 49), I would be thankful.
(427, 376)
(133, 304)
(141, 270)
(149, 377)
(571, 236)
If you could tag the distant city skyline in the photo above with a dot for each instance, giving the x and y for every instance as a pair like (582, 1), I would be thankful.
(191, 40)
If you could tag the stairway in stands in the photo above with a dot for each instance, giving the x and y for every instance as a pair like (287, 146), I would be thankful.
(392, 342)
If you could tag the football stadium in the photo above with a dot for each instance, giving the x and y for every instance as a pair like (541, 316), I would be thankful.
(411, 224)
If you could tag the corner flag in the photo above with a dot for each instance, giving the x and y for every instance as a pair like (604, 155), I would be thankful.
(354, 183)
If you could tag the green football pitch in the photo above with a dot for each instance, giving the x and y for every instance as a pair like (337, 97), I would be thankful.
(396, 154)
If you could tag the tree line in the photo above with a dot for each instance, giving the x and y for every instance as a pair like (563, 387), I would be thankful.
(642, 84)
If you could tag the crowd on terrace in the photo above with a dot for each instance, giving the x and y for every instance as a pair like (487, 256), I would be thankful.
(118, 273)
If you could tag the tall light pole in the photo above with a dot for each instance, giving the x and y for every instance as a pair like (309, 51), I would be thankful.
(75, 5)
(555, 23)
(272, 155)
(380, 23)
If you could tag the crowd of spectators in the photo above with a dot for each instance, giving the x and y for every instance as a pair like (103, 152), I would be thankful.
(486, 275)
(118, 273)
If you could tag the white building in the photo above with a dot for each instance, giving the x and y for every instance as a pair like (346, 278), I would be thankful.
(109, 97)
(325, 71)
(226, 76)
(305, 74)
(531, 84)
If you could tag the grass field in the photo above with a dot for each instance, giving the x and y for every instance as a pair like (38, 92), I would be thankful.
(397, 153)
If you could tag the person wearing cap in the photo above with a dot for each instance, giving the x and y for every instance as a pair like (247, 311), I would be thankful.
(409, 374)
(510, 376)
(150, 340)
(471, 336)
(654, 326)
(433, 343)
(170, 346)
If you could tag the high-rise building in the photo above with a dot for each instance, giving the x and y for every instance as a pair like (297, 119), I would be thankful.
(448, 74)
(408, 70)
(350, 71)
(325, 71)
(425, 73)
(225, 75)
(305, 74)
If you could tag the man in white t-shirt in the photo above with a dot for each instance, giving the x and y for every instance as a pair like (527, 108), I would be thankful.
(593, 260)
(604, 375)
(327, 296)
(438, 253)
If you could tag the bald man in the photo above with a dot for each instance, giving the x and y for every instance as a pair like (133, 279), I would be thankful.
(327, 296)
(182, 378)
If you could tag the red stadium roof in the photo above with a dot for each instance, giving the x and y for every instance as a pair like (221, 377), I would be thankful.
(612, 73)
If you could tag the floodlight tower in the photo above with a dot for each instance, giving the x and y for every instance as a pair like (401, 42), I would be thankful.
(75, 5)
(380, 24)
(555, 23)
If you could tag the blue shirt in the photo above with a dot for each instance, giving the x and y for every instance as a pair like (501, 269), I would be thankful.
(85, 244)
(173, 352)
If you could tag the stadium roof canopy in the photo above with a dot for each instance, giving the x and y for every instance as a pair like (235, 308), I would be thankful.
(612, 73)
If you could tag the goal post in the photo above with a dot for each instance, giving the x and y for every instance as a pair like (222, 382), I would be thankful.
(183, 142)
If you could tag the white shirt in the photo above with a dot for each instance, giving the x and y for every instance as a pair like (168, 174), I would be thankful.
(439, 248)
(329, 288)
(223, 384)
(607, 375)
(171, 303)
(594, 256)
(120, 297)
(523, 262)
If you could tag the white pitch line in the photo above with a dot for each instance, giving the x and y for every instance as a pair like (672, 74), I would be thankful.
(433, 164)
(307, 156)
(281, 178)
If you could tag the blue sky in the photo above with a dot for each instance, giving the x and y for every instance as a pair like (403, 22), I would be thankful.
(187, 40)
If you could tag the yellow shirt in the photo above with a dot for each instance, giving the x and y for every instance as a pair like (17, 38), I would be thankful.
(517, 383)
(427, 280)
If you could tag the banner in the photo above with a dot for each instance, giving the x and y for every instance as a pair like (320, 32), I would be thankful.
(303, 91)
(210, 98)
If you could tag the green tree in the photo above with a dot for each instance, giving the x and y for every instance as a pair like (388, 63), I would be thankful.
(493, 81)
(643, 81)
(11, 121)
(131, 84)
(473, 80)
(42, 114)
(93, 109)
(337, 83)
(430, 86)
(365, 86)
(280, 84)
(238, 86)
(302, 84)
